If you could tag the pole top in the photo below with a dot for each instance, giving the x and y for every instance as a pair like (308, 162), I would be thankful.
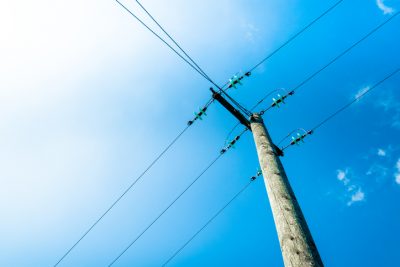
(256, 117)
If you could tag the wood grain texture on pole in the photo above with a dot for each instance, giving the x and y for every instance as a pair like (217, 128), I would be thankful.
(297, 245)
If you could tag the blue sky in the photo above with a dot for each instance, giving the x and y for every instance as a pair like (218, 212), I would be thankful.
(88, 98)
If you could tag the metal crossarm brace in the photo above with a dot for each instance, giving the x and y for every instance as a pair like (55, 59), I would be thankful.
(217, 96)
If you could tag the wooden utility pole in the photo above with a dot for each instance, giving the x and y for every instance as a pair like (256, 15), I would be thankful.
(297, 245)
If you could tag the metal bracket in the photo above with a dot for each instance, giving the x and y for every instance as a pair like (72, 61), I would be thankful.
(278, 151)
(217, 96)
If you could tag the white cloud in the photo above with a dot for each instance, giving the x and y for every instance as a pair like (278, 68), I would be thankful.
(361, 92)
(386, 10)
(342, 176)
(381, 152)
(353, 190)
(397, 174)
(357, 197)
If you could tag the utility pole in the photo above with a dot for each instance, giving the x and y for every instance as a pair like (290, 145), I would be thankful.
(297, 245)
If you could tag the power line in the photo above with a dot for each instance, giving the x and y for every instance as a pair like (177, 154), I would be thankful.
(165, 42)
(287, 42)
(172, 204)
(347, 50)
(223, 151)
(167, 208)
(291, 39)
(346, 106)
(236, 103)
(212, 219)
(356, 99)
(199, 69)
(252, 109)
(202, 73)
(289, 134)
(309, 78)
(173, 40)
(194, 65)
(123, 194)
(297, 34)
(163, 152)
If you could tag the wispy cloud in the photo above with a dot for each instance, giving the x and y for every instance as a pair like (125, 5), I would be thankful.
(390, 105)
(361, 92)
(378, 170)
(381, 162)
(342, 176)
(381, 152)
(386, 10)
(358, 196)
(389, 102)
(397, 174)
(353, 191)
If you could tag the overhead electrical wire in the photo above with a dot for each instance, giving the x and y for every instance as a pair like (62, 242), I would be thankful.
(123, 194)
(297, 34)
(176, 199)
(289, 134)
(199, 70)
(206, 76)
(343, 53)
(196, 67)
(237, 104)
(167, 44)
(346, 106)
(251, 110)
(356, 99)
(319, 125)
(287, 42)
(166, 209)
(377, 28)
(291, 39)
(313, 75)
(173, 40)
(209, 221)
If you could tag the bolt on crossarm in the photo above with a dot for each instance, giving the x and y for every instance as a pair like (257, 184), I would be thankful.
(297, 245)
